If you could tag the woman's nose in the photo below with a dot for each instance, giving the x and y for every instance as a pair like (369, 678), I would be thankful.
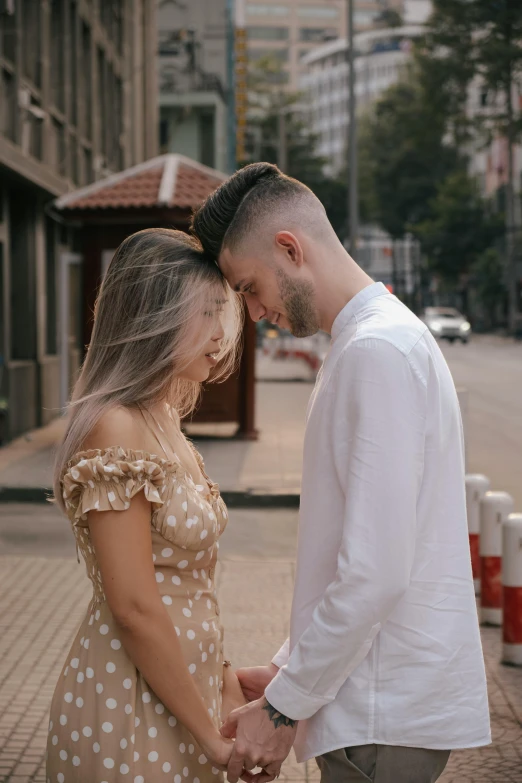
(219, 333)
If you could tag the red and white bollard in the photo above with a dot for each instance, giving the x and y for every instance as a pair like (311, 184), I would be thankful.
(476, 487)
(512, 589)
(494, 510)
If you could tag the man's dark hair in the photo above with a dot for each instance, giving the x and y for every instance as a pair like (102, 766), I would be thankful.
(231, 211)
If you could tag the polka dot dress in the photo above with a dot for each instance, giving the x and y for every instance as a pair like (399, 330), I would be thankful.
(106, 724)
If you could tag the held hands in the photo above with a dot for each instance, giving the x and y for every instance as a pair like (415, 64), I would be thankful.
(218, 750)
(254, 680)
(263, 738)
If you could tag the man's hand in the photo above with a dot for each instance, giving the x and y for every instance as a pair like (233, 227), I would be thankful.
(255, 679)
(264, 739)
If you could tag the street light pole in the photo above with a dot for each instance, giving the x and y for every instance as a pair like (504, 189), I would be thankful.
(353, 197)
(231, 92)
(282, 148)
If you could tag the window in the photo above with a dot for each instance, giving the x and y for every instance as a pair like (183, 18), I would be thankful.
(86, 87)
(57, 147)
(280, 77)
(164, 132)
(73, 49)
(281, 55)
(23, 271)
(31, 41)
(8, 104)
(262, 9)
(87, 175)
(268, 33)
(35, 125)
(317, 34)
(118, 123)
(57, 60)
(318, 11)
(50, 287)
(8, 37)
(170, 43)
(73, 155)
(101, 87)
(363, 18)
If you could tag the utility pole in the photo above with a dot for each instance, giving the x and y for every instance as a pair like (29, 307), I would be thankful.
(241, 67)
(282, 147)
(353, 196)
(231, 92)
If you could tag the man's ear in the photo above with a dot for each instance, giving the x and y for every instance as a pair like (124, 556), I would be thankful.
(291, 246)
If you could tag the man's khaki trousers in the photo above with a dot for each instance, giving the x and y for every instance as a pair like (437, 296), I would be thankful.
(382, 764)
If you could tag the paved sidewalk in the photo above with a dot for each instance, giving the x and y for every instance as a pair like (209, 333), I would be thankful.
(43, 599)
(270, 466)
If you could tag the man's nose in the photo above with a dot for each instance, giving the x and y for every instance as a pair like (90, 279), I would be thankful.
(255, 309)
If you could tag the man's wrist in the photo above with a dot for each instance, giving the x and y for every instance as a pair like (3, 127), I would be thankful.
(277, 718)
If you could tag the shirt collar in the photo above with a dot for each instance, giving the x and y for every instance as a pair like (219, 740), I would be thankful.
(355, 304)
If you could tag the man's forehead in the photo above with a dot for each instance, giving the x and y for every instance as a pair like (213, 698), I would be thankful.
(235, 268)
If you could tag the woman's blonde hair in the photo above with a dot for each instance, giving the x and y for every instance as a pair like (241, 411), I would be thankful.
(157, 309)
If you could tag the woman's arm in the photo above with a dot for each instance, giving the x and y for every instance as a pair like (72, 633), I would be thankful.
(123, 546)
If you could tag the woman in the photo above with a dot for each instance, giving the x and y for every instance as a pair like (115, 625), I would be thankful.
(145, 687)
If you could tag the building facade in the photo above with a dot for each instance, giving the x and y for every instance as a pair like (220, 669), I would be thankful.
(192, 71)
(77, 103)
(381, 57)
(288, 30)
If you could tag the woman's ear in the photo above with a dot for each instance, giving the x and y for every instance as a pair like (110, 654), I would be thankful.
(291, 246)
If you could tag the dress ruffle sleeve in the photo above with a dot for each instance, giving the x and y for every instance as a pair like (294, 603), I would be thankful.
(108, 479)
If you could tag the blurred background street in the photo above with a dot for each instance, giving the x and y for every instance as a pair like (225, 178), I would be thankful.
(403, 116)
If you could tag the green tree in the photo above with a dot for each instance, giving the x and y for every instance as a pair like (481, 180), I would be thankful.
(389, 17)
(458, 229)
(403, 157)
(479, 38)
(487, 282)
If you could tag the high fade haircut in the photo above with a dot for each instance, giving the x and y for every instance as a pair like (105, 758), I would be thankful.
(231, 212)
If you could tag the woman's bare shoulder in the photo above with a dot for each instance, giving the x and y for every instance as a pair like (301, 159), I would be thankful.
(117, 426)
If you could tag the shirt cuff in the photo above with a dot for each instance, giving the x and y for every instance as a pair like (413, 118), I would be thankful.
(290, 701)
(281, 657)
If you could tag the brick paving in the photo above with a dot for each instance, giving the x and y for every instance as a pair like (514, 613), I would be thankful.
(43, 600)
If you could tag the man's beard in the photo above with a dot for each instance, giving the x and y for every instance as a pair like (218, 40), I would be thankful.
(298, 299)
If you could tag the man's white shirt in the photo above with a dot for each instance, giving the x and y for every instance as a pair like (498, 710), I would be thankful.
(384, 643)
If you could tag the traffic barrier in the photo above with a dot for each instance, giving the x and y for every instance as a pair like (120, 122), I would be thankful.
(512, 590)
(495, 508)
(476, 487)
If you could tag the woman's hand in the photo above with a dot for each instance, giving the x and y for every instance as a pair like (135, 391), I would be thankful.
(232, 696)
(255, 679)
(218, 750)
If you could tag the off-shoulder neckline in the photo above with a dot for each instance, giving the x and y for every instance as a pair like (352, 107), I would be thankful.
(139, 454)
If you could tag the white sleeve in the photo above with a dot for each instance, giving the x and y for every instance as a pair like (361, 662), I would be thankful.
(281, 657)
(379, 406)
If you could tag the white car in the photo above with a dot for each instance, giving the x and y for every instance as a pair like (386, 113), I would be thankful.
(447, 323)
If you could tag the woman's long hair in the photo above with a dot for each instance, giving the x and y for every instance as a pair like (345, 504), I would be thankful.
(157, 309)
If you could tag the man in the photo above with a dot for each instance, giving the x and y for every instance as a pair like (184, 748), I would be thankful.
(383, 670)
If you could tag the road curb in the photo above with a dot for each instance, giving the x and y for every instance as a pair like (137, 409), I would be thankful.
(233, 498)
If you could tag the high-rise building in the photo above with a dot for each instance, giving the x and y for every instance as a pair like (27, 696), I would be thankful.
(381, 57)
(77, 102)
(287, 30)
(192, 70)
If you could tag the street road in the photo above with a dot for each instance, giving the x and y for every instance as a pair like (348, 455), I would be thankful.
(491, 369)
